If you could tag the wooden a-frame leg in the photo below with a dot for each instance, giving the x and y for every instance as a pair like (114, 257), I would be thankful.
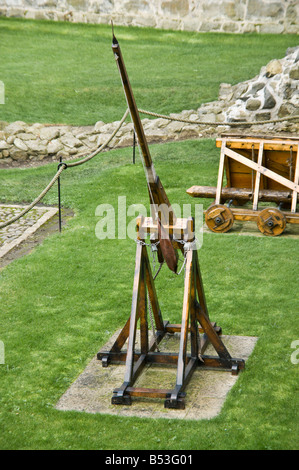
(196, 312)
(119, 396)
(184, 369)
(153, 296)
(115, 354)
(194, 318)
(142, 278)
(224, 360)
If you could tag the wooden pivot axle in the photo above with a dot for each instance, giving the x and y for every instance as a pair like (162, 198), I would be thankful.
(195, 328)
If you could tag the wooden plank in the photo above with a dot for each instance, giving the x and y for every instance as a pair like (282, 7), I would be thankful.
(220, 174)
(134, 315)
(176, 328)
(212, 335)
(142, 307)
(237, 167)
(296, 181)
(241, 180)
(258, 177)
(200, 290)
(279, 162)
(242, 194)
(148, 392)
(245, 216)
(185, 321)
(269, 144)
(194, 337)
(248, 214)
(292, 217)
(148, 225)
(219, 362)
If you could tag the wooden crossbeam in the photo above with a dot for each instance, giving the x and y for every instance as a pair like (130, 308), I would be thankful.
(269, 144)
(296, 181)
(258, 177)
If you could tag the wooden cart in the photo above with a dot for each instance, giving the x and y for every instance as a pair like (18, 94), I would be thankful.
(261, 170)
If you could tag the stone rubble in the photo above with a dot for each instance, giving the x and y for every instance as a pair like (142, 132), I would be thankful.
(272, 94)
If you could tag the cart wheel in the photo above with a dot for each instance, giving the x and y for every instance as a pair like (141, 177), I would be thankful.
(219, 218)
(271, 222)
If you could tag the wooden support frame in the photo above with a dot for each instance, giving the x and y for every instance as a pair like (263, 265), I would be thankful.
(296, 182)
(195, 327)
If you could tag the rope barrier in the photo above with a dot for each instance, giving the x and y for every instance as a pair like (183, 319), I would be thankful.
(213, 123)
(62, 166)
(104, 145)
(36, 201)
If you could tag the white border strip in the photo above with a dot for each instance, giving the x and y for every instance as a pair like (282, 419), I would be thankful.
(29, 231)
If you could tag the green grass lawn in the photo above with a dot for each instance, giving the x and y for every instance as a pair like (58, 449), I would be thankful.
(62, 302)
(65, 73)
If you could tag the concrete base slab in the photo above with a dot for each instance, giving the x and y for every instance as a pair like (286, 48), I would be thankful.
(205, 393)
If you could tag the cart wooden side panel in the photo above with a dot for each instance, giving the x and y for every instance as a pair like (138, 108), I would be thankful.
(256, 169)
(280, 158)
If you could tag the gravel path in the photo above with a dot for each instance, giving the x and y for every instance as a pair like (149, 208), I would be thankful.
(15, 230)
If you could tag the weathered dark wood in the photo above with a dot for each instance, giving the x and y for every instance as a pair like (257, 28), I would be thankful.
(240, 194)
(221, 363)
(195, 319)
(148, 392)
(162, 211)
(176, 328)
(135, 312)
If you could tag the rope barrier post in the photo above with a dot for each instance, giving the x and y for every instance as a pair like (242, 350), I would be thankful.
(59, 197)
(134, 145)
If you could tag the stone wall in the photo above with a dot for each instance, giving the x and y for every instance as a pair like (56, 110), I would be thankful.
(238, 16)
